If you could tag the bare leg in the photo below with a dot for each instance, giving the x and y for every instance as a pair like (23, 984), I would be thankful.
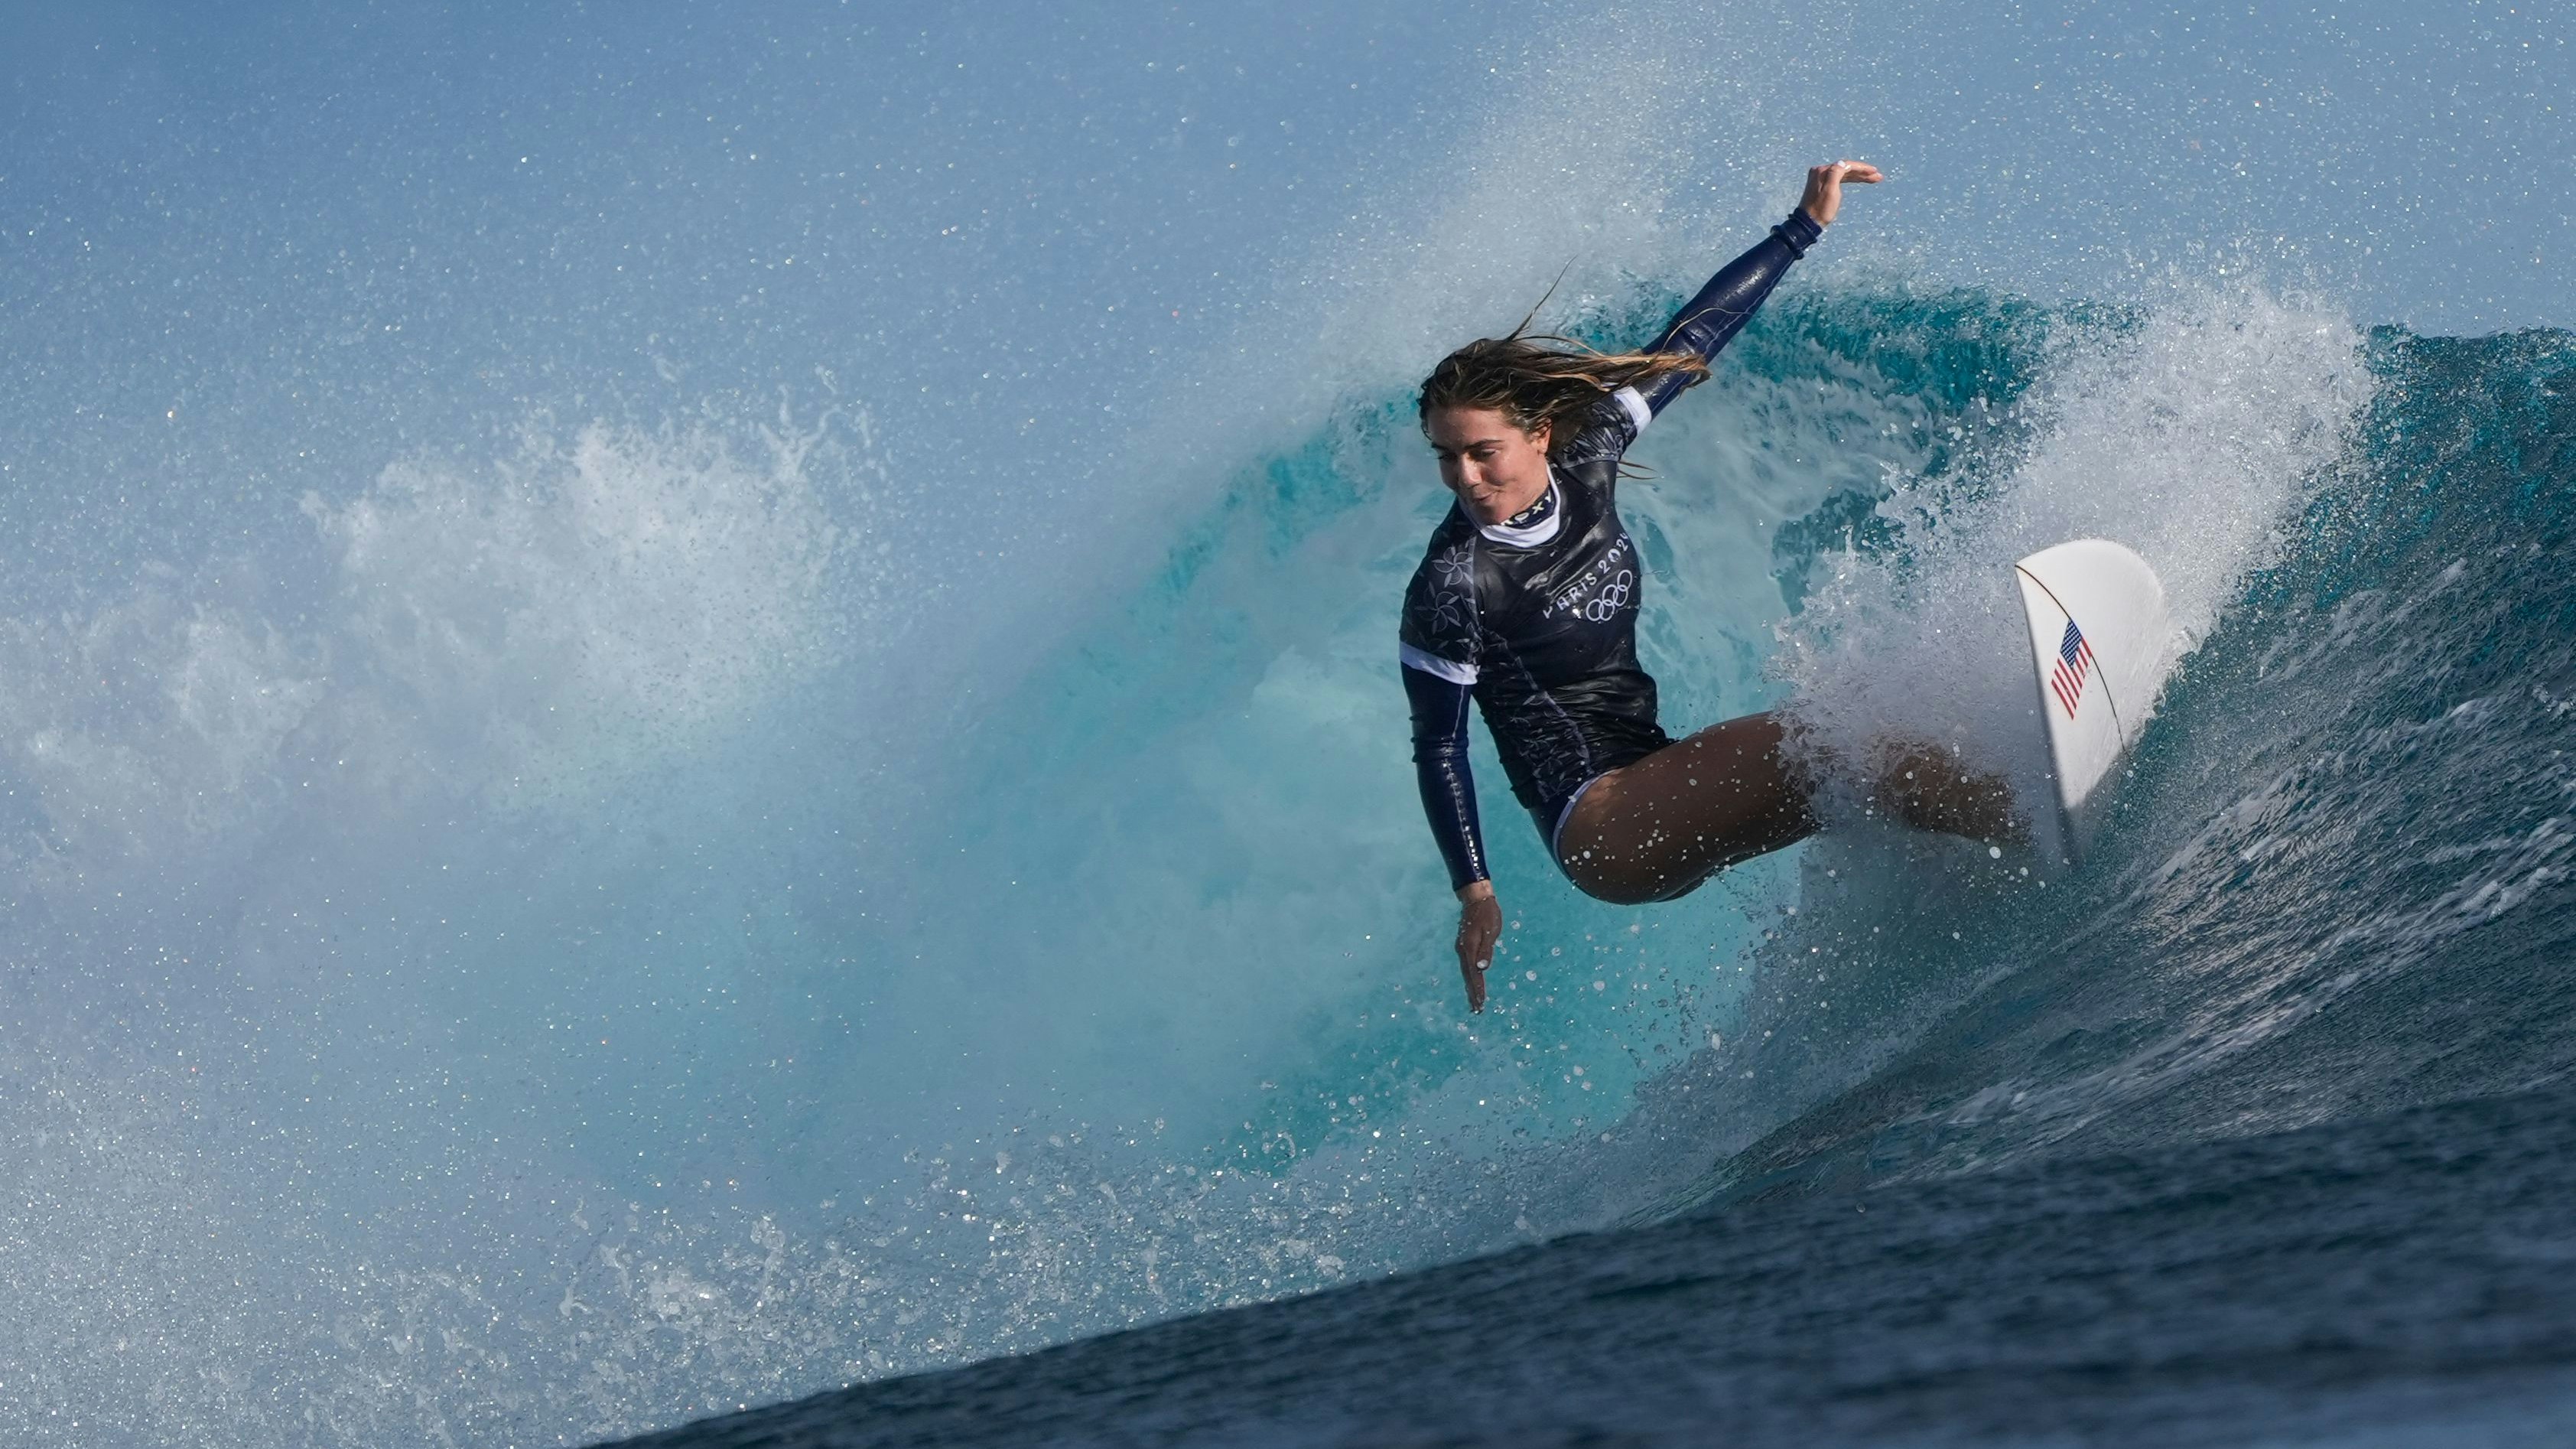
(1659, 828)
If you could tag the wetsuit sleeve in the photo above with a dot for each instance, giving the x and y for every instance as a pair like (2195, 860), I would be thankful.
(1438, 647)
(1709, 321)
(1440, 768)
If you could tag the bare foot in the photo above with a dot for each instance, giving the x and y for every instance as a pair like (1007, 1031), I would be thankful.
(1930, 788)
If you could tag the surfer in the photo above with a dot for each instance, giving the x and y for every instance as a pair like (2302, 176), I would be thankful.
(1527, 599)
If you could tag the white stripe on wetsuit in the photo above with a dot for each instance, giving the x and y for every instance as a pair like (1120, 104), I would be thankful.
(1635, 402)
(1435, 666)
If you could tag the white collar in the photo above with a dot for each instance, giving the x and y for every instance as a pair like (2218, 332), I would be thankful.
(1530, 535)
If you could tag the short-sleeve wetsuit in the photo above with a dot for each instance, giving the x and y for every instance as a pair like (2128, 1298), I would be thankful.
(1536, 617)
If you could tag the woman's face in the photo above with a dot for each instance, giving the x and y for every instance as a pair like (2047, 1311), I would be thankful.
(1496, 469)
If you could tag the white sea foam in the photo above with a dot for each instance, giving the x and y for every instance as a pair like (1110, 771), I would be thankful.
(2187, 437)
(526, 637)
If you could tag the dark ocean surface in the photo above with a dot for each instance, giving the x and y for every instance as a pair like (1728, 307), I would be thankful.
(2404, 1280)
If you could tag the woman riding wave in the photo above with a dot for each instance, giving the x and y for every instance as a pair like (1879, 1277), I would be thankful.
(1527, 599)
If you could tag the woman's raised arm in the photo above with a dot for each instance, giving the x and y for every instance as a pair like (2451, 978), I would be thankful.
(1709, 321)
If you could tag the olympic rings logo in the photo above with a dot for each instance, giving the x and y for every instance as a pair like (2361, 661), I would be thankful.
(1612, 598)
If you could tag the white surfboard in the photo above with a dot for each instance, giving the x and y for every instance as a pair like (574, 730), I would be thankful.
(2099, 641)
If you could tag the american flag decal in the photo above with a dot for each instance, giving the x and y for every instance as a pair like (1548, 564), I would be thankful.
(2074, 661)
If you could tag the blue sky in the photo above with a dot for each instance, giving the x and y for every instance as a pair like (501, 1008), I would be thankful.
(372, 225)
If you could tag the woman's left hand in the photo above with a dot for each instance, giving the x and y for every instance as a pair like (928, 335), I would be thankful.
(1825, 188)
(1480, 925)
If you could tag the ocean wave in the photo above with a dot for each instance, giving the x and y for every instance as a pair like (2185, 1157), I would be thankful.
(754, 1072)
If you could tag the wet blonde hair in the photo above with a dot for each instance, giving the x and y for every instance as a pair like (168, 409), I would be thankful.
(1542, 378)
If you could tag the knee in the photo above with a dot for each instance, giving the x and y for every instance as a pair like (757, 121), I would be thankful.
(1631, 891)
(1616, 893)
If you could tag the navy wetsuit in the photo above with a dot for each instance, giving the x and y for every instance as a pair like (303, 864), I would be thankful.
(1536, 616)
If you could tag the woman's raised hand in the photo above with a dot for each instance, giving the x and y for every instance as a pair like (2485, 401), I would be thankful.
(1480, 925)
(1825, 188)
